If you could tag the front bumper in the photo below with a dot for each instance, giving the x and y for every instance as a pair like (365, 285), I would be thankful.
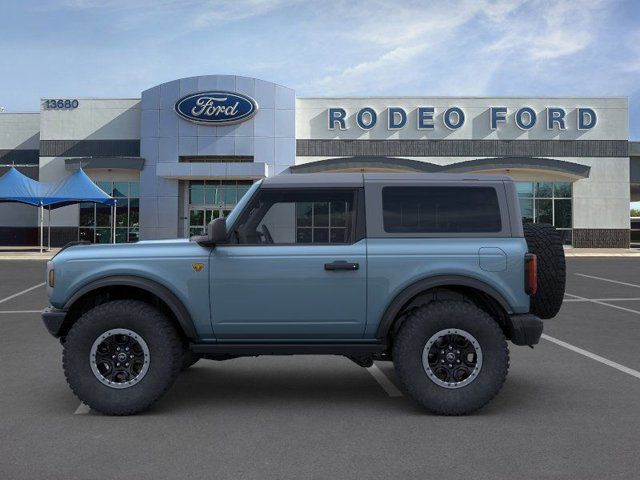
(525, 329)
(54, 319)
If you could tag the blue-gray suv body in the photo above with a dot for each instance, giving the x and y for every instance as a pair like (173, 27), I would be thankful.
(432, 272)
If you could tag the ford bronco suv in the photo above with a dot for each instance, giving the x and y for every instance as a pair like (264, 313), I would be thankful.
(432, 272)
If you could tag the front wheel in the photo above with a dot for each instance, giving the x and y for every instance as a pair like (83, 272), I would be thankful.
(451, 357)
(121, 357)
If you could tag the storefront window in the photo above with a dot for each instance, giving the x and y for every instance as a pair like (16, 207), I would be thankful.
(544, 189)
(543, 210)
(322, 222)
(547, 202)
(96, 222)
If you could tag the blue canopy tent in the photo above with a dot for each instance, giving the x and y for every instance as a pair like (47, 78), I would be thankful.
(17, 187)
(76, 188)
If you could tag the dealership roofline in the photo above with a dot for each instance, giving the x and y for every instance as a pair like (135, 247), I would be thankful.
(484, 97)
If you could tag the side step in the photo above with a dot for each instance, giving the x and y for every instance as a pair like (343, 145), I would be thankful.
(348, 349)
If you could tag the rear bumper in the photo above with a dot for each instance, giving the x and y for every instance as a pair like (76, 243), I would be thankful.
(525, 329)
(53, 320)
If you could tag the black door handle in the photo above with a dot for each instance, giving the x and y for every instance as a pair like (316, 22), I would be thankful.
(341, 265)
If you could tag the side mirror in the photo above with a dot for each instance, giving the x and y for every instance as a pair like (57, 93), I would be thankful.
(217, 231)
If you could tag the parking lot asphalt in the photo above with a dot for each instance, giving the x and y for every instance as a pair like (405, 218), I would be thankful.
(561, 414)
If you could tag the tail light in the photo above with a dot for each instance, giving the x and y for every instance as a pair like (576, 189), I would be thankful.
(530, 274)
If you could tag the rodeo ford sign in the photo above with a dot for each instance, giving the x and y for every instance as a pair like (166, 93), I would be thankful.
(216, 108)
(453, 118)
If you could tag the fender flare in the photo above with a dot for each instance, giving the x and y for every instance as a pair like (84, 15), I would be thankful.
(416, 288)
(167, 296)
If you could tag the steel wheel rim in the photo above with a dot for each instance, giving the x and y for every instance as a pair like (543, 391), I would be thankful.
(452, 358)
(119, 358)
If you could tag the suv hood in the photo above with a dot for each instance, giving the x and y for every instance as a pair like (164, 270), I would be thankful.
(177, 247)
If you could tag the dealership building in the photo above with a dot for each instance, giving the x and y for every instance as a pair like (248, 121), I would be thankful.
(185, 152)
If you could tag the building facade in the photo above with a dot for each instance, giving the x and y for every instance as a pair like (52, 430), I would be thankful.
(187, 150)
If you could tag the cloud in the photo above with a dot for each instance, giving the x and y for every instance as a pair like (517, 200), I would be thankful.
(409, 38)
(199, 13)
(224, 11)
(393, 38)
(548, 30)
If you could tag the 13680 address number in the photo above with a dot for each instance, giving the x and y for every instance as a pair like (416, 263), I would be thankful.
(61, 104)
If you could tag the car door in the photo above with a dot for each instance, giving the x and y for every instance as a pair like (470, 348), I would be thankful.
(295, 267)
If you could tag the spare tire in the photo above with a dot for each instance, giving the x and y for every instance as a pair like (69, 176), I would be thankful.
(544, 241)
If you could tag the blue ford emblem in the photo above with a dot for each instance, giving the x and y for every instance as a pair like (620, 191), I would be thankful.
(216, 108)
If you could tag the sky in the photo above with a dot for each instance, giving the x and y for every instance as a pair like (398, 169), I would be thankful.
(109, 48)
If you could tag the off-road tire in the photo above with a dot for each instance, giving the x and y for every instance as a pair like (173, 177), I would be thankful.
(414, 334)
(189, 358)
(165, 356)
(544, 241)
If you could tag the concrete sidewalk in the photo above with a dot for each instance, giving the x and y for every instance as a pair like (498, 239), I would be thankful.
(601, 252)
(26, 253)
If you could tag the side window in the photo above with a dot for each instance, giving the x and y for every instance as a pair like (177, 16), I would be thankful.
(286, 217)
(441, 209)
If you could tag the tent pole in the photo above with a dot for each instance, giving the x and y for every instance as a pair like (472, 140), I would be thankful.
(115, 206)
(41, 226)
(49, 232)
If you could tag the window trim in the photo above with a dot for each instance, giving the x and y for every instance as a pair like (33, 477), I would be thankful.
(357, 231)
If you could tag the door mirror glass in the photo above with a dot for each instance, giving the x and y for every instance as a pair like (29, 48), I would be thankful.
(217, 231)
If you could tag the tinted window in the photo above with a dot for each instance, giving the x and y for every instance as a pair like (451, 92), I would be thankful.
(298, 217)
(440, 210)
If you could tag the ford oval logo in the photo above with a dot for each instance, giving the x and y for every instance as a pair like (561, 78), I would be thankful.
(216, 107)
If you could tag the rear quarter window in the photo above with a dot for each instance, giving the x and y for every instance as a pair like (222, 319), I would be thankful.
(441, 209)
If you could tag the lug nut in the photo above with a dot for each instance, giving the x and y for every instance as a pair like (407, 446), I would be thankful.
(117, 364)
(113, 356)
(126, 364)
(450, 365)
(450, 347)
(130, 356)
(457, 361)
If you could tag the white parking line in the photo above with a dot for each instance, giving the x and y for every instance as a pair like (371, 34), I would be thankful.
(384, 382)
(637, 299)
(20, 311)
(599, 302)
(20, 293)
(82, 409)
(593, 356)
(608, 280)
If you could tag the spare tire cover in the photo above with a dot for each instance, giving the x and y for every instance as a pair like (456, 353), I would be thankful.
(544, 241)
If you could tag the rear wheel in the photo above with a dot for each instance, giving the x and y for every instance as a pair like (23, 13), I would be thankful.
(451, 357)
(120, 357)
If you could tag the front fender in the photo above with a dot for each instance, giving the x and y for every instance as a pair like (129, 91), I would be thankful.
(176, 306)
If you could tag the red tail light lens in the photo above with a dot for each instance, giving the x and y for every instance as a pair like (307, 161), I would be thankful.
(530, 274)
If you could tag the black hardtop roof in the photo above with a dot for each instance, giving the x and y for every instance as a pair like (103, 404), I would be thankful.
(307, 180)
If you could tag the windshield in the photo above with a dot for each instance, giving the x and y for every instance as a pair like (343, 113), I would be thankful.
(233, 216)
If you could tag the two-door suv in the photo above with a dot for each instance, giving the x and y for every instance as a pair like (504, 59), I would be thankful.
(432, 272)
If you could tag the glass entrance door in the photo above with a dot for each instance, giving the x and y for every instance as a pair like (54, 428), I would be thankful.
(200, 217)
(211, 199)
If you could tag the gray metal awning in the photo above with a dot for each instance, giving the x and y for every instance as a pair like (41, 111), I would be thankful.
(121, 163)
(576, 170)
